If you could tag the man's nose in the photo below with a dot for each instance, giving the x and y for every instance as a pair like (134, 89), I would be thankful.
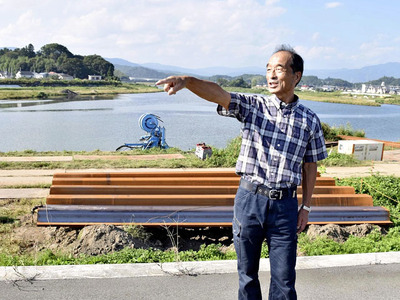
(272, 74)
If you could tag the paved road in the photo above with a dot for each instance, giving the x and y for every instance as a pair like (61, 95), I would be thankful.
(355, 282)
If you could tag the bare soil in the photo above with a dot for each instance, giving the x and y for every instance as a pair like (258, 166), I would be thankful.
(102, 239)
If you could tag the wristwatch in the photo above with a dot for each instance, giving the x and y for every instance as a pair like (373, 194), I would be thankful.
(307, 208)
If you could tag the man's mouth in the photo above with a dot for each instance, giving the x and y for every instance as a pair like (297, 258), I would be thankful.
(272, 84)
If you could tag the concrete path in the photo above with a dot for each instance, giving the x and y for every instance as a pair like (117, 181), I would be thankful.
(354, 276)
(388, 169)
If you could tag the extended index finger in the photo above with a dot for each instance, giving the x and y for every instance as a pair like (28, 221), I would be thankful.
(164, 81)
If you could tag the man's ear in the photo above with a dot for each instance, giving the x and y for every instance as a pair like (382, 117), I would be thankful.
(298, 76)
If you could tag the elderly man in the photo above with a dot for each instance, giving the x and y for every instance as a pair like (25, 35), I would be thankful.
(282, 141)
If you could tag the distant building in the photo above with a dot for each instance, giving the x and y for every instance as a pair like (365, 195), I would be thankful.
(5, 75)
(328, 88)
(63, 76)
(41, 75)
(60, 76)
(24, 74)
(94, 77)
(305, 87)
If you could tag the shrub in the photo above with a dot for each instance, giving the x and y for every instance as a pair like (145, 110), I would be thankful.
(385, 191)
(331, 133)
(336, 159)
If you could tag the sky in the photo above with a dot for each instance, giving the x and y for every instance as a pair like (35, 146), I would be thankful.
(210, 33)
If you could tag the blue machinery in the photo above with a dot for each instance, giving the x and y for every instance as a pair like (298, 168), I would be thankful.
(154, 138)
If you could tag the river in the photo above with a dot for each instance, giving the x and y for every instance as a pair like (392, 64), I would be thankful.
(86, 124)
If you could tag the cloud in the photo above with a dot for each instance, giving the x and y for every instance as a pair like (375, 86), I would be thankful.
(315, 36)
(374, 50)
(333, 4)
(314, 55)
(186, 32)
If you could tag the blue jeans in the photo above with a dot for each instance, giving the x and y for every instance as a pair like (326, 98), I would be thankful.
(257, 217)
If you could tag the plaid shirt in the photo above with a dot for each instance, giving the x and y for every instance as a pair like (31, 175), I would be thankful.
(276, 138)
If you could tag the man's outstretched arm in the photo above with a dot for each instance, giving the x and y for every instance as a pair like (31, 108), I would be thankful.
(207, 90)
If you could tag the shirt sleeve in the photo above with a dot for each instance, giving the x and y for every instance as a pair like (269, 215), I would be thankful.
(239, 107)
(316, 149)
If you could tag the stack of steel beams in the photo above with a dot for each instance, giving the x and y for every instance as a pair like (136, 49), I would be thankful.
(185, 198)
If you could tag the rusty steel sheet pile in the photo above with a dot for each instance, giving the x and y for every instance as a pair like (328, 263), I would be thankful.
(183, 198)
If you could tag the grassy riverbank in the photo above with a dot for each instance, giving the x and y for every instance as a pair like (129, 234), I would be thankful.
(42, 92)
(45, 89)
(221, 158)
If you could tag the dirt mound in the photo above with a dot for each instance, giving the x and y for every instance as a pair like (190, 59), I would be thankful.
(342, 233)
(90, 240)
(102, 239)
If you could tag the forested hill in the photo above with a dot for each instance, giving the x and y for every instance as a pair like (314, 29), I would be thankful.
(54, 58)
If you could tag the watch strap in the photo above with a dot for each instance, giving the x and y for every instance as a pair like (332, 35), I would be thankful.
(307, 208)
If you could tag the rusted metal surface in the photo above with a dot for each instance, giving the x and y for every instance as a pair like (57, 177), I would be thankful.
(173, 181)
(192, 215)
(152, 174)
(176, 190)
(192, 198)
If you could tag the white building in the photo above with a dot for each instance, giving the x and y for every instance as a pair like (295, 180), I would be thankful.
(94, 77)
(5, 75)
(24, 74)
(63, 76)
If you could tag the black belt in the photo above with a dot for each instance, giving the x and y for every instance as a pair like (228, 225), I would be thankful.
(273, 194)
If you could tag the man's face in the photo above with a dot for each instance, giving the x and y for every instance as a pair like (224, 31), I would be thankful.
(280, 77)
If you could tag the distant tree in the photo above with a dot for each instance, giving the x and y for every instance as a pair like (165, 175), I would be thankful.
(54, 51)
(239, 82)
(28, 51)
(387, 80)
(223, 82)
(97, 65)
(54, 58)
(337, 82)
(74, 67)
(310, 81)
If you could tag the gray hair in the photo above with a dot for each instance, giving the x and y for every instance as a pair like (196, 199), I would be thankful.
(297, 63)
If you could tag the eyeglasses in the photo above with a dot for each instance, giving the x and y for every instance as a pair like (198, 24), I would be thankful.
(278, 70)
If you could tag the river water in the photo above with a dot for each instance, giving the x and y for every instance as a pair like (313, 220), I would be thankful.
(88, 124)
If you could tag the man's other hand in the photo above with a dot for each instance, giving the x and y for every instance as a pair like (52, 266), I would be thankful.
(302, 220)
(173, 84)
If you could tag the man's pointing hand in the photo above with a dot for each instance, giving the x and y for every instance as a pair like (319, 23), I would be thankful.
(173, 84)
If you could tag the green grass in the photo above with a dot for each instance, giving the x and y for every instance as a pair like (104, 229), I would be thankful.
(385, 191)
(373, 242)
(336, 159)
(127, 255)
(221, 158)
(41, 92)
(332, 133)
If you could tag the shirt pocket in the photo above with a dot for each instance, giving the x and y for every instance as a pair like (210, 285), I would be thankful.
(300, 131)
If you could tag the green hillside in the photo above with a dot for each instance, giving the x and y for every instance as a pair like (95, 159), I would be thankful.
(54, 58)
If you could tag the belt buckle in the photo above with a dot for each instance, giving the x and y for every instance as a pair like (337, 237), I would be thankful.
(275, 194)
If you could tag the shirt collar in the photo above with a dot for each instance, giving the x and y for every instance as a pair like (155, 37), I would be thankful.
(282, 105)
